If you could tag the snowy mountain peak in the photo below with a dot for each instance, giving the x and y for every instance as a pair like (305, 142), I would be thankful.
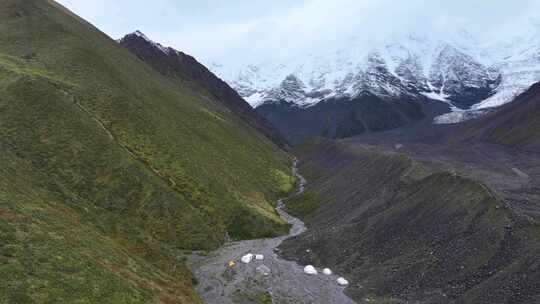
(141, 35)
(462, 78)
(458, 70)
(405, 67)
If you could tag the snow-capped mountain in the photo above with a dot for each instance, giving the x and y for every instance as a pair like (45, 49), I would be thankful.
(516, 58)
(470, 76)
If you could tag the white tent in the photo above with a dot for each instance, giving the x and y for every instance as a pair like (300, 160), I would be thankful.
(246, 259)
(309, 269)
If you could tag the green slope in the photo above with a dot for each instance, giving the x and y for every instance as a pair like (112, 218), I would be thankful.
(108, 169)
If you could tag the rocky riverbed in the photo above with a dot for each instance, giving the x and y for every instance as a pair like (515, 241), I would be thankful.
(271, 280)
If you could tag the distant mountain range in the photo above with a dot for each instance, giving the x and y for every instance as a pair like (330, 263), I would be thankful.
(469, 77)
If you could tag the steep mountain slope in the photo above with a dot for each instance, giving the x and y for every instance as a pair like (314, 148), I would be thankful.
(175, 64)
(108, 168)
(516, 124)
(341, 117)
(404, 232)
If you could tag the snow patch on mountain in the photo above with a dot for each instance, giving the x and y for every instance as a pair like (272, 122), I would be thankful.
(459, 116)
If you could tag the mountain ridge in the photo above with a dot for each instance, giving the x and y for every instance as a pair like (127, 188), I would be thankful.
(111, 171)
(176, 64)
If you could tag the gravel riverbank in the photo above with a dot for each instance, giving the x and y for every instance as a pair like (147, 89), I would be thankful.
(286, 283)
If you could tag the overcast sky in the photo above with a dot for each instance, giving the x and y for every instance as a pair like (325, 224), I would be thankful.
(219, 29)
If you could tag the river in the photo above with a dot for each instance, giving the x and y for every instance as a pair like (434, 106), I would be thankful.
(286, 283)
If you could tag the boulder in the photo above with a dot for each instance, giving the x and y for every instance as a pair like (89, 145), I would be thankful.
(342, 282)
(309, 269)
(327, 271)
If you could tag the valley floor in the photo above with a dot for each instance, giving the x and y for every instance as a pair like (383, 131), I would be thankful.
(244, 284)
(404, 220)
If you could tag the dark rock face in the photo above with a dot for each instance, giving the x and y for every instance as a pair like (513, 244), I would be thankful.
(462, 79)
(341, 117)
(175, 64)
(379, 80)
(291, 89)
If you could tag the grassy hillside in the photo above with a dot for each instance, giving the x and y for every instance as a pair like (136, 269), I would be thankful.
(403, 234)
(108, 168)
(185, 68)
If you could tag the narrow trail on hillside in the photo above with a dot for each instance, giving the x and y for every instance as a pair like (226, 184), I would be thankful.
(286, 283)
